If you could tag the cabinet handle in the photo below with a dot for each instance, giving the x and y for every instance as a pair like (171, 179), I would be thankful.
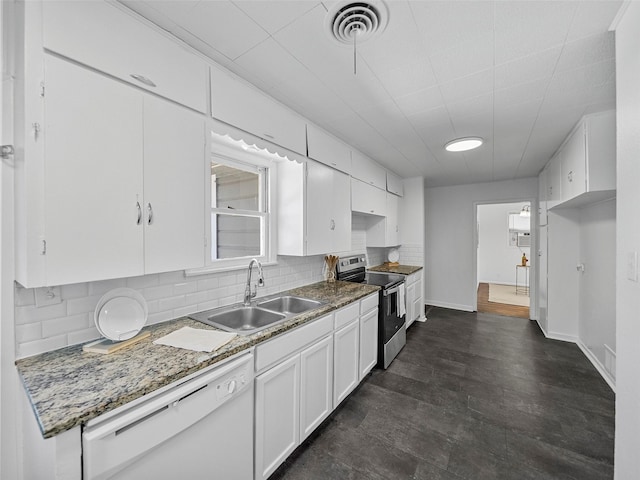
(150, 212)
(142, 79)
(570, 176)
(332, 224)
(269, 136)
(139, 213)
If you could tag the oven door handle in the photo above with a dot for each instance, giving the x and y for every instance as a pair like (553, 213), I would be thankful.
(391, 291)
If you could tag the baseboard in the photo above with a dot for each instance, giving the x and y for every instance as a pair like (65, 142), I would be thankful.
(452, 306)
(596, 363)
(587, 353)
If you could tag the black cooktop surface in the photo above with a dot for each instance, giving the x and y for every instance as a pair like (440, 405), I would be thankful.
(384, 280)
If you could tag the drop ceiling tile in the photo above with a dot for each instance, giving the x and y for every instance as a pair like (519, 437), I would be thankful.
(539, 65)
(445, 23)
(272, 64)
(223, 26)
(408, 78)
(273, 15)
(479, 108)
(426, 118)
(574, 87)
(521, 93)
(586, 51)
(425, 99)
(463, 58)
(468, 87)
(523, 28)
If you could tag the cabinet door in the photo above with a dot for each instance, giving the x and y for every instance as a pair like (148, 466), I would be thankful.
(367, 198)
(392, 228)
(554, 179)
(341, 212)
(173, 187)
(236, 103)
(542, 197)
(93, 176)
(328, 150)
(85, 32)
(394, 184)
(316, 385)
(277, 416)
(368, 171)
(410, 298)
(345, 361)
(368, 342)
(418, 305)
(318, 218)
(573, 165)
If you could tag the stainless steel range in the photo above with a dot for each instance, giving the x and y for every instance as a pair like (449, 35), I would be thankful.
(391, 304)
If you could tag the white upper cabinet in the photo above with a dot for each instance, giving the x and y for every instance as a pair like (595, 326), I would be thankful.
(368, 171)
(326, 149)
(123, 188)
(367, 199)
(106, 38)
(314, 214)
(554, 180)
(588, 164)
(237, 103)
(542, 196)
(385, 232)
(394, 184)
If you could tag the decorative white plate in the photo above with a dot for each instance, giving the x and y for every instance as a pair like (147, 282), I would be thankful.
(393, 255)
(120, 314)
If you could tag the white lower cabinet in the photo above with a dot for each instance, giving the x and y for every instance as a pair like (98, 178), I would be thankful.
(277, 430)
(368, 342)
(345, 360)
(414, 303)
(316, 385)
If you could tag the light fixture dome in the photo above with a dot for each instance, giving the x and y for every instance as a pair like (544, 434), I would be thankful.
(463, 144)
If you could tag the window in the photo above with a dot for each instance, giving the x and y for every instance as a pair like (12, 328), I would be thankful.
(240, 216)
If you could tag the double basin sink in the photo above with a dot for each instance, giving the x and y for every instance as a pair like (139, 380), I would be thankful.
(247, 320)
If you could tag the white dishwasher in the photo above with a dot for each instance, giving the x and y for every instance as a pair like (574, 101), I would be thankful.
(200, 429)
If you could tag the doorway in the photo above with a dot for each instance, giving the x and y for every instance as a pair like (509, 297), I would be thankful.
(503, 258)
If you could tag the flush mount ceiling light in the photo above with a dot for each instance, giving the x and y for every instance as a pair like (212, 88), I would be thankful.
(353, 23)
(463, 144)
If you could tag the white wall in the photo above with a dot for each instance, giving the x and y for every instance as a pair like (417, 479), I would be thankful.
(450, 251)
(411, 222)
(497, 258)
(627, 460)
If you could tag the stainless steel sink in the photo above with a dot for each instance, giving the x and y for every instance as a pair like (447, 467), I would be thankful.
(290, 305)
(249, 320)
(240, 319)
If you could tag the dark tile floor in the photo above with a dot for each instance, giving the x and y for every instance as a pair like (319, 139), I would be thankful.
(471, 396)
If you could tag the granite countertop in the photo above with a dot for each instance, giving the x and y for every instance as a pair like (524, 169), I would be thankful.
(68, 387)
(400, 269)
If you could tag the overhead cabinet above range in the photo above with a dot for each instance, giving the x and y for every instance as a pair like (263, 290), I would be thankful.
(102, 36)
(241, 105)
(368, 171)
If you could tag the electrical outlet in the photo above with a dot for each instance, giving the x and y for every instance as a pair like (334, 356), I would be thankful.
(632, 266)
(47, 296)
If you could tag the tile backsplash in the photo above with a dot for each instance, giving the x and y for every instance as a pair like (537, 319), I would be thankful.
(168, 295)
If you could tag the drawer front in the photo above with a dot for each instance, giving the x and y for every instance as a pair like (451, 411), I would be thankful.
(346, 315)
(86, 32)
(284, 345)
(368, 303)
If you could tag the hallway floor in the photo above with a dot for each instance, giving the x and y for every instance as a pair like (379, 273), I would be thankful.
(471, 396)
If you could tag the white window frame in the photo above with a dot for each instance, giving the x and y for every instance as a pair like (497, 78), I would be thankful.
(250, 159)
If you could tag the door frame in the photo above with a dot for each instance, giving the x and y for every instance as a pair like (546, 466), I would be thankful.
(533, 260)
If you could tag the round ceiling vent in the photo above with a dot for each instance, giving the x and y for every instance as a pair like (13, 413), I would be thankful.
(356, 20)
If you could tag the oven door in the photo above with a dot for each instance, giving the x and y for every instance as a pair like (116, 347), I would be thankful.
(391, 322)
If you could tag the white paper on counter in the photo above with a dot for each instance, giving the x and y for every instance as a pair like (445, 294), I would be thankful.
(196, 339)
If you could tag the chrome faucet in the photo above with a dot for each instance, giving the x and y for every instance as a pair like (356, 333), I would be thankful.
(248, 294)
